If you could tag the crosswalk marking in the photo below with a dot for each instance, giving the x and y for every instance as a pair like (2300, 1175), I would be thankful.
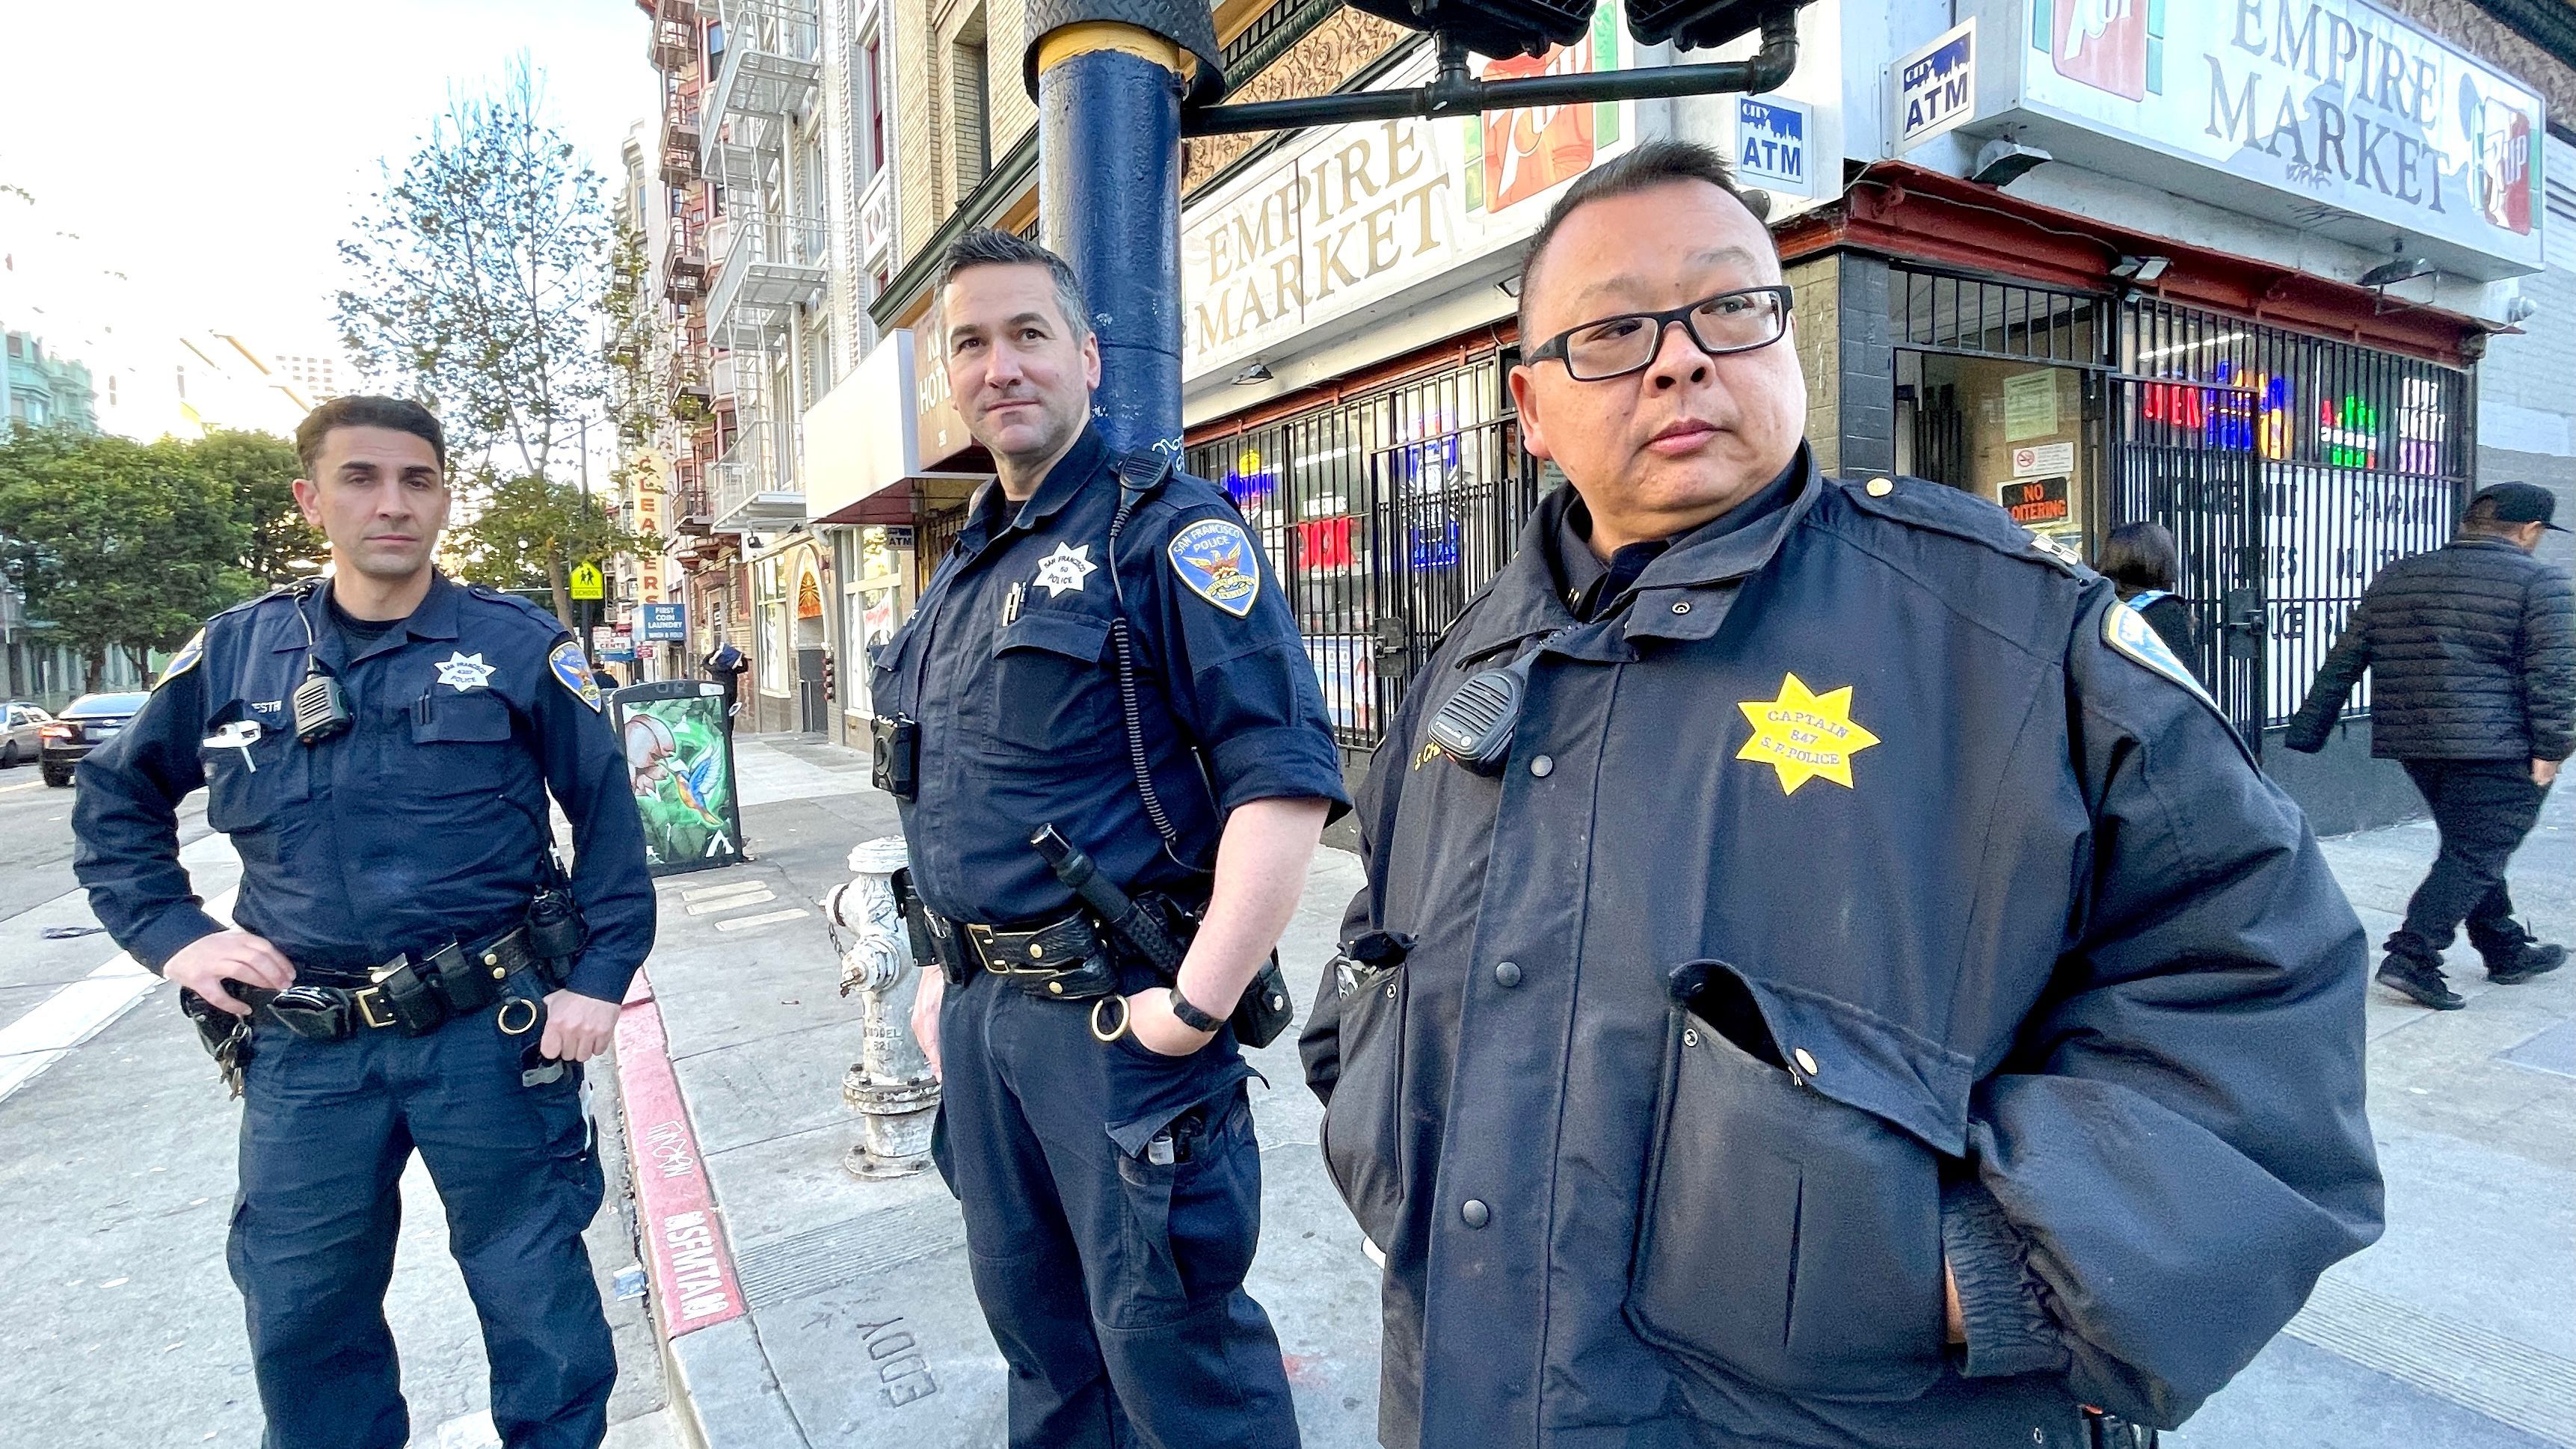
(78, 1012)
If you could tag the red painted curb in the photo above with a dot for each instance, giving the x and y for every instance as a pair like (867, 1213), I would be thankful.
(675, 1208)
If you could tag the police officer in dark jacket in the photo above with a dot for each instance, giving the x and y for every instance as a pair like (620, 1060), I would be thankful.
(2472, 657)
(1869, 996)
(404, 971)
(1106, 652)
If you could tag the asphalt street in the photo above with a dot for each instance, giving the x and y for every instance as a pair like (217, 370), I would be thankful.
(116, 1178)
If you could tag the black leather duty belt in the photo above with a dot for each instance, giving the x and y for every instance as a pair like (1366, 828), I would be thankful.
(1066, 960)
(413, 997)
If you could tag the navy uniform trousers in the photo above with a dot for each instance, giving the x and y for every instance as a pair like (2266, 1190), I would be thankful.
(1113, 1283)
(327, 1128)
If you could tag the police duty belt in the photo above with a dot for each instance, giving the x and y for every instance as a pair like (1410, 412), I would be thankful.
(413, 997)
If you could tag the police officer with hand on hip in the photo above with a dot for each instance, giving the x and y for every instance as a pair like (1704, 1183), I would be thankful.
(1106, 654)
(1826, 976)
(409, 968)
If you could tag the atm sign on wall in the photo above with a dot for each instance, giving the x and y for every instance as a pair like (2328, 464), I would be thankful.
(1771, 144)
(1936, 87)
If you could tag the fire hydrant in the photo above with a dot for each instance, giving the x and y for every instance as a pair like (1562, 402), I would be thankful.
(890, 1086)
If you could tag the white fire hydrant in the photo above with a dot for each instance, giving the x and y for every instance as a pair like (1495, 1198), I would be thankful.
(890, 1086)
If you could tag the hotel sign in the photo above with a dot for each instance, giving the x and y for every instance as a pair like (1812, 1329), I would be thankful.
(1358, 214)
(2329, 115)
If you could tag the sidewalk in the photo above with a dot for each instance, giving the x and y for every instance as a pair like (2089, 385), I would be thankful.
(846, 1316)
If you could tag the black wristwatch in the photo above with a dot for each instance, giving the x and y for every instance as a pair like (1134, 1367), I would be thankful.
(1190, 1016)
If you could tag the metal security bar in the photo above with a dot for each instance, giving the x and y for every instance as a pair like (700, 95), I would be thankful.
(2331, 461)
(1979, 317)
(939, 533)
(1382, 515)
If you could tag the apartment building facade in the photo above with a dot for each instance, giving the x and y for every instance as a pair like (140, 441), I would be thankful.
(769, 194)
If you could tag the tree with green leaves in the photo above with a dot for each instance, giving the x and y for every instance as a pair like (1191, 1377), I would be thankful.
(478, 279)
(522, 532)
(260, 469)
(118, 544)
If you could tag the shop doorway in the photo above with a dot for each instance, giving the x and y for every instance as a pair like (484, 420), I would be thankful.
(2028, 437)
(812, 709)
(2185, 457)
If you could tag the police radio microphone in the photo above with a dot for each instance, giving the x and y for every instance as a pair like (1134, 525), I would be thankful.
(1476, 725)
(321, 706)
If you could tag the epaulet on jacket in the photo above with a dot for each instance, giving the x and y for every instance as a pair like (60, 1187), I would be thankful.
(1921, 503)
(491, 595)
(282, 591)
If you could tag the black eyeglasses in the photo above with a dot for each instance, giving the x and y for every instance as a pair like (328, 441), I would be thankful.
(1737, 321)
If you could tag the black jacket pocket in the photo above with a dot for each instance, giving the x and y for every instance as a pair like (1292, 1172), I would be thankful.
(1363, 1122)
(1049, 691)
(1791, 1229)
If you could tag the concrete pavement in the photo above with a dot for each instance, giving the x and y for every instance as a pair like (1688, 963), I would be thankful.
(116, 1181)
(859, 1324)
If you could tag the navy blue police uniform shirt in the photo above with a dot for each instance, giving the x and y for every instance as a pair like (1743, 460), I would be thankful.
(1008, 668)
(423, 824)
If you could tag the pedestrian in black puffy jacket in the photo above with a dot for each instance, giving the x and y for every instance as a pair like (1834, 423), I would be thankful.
(2472, 654)
(2140, 560)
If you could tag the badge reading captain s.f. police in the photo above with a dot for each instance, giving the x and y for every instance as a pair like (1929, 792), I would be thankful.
(1215, 561)
(573, 672)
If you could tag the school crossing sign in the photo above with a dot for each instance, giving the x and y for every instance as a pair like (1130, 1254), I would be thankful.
(1936, 86)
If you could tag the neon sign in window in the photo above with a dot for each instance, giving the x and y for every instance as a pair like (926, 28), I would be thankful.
(2348, 432)
(2244, 411)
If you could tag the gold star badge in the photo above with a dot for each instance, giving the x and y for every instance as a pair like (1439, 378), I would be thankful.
(1804, 735)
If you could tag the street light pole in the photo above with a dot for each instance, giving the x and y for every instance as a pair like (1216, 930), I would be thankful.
(1109, 201)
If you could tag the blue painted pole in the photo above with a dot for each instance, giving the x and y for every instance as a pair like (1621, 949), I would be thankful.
(1109, 202)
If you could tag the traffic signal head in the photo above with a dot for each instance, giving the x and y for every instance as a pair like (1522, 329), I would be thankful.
(1528, 27)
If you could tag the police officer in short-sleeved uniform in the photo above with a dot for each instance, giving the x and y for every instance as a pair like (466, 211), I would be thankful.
(1111, 1188)
(413, 838)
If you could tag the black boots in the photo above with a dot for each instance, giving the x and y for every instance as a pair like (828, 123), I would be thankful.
(2522, 961)
(2419, 979)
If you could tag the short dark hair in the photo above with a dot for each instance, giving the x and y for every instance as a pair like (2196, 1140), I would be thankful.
(2140, 556)
(988, 246)
(1656, 163)
(364, 411)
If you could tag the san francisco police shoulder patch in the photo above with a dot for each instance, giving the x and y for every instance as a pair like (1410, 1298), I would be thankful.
(2127, 631)
(573, 672)
(1215, 559)
(183, 661)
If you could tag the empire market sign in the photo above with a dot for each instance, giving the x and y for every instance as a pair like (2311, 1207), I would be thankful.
(1330, 233)
(2328, 115)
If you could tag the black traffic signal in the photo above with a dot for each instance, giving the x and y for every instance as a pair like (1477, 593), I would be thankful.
(1529, 27)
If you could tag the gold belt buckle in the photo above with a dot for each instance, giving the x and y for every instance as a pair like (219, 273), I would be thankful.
(367, 1000)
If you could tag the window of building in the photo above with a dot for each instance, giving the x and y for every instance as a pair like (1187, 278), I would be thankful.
(970, 88)
(871, 109)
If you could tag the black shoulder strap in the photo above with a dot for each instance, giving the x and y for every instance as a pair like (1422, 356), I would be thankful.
(1140, 477)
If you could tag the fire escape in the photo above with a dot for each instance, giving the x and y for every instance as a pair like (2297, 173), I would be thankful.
(768, 246)
(678, 32)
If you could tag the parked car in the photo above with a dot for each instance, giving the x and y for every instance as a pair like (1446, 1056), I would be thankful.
(19, 722)
(86, 723)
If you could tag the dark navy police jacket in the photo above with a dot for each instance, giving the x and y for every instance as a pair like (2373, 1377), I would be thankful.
(1020, 723)
(1995, 944)
(424, 824)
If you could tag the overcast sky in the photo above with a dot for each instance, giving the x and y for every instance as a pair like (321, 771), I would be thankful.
(216, 153)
